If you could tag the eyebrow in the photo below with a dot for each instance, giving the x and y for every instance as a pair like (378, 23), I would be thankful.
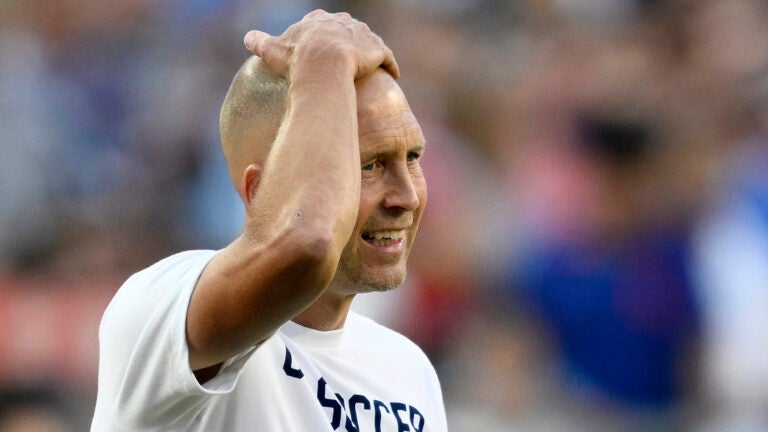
(419, 147)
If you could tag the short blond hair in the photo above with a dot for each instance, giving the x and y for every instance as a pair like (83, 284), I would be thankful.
(251, 115)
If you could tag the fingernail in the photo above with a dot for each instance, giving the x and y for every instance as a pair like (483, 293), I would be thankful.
(248, 40)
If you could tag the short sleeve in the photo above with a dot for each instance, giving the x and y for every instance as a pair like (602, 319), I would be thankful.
(144, 366)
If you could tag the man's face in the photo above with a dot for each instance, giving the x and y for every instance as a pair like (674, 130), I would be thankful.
(393, 189)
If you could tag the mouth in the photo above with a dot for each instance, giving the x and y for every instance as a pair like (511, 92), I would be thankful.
(384, 238)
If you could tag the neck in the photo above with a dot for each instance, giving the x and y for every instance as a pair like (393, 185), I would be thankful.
(329, 312)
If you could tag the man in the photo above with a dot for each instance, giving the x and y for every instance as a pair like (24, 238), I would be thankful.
(324, 152)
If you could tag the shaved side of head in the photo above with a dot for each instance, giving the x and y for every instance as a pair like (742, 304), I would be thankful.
(250, 116)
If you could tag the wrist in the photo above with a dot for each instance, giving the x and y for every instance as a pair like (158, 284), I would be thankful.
(320, 65)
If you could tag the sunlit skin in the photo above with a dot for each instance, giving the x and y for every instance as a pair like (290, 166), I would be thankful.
(324, 152)
(392, 198)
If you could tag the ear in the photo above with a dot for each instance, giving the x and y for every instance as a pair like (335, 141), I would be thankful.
(249, 183)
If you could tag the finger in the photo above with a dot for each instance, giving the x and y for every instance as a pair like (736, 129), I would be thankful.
(254, 40)
(315, 13)
(390, 65)
(344, 16)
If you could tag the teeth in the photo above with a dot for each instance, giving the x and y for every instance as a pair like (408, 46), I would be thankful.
(394, 235)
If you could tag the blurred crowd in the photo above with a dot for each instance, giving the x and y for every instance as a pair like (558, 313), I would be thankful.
(594, 255)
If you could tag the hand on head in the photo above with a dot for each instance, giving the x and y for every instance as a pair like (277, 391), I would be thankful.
(321, 36)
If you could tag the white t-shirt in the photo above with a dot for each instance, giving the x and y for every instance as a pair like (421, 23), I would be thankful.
(363, 377)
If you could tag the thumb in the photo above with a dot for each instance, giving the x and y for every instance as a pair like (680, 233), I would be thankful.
(253, 40)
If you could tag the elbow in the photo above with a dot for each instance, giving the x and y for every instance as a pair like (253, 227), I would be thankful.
(316, 251)
(305, 249)
(309, 265)
(315, 247)
(319, 236)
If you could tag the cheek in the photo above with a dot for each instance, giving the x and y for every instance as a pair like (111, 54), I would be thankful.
(365, 210)
(421, 190)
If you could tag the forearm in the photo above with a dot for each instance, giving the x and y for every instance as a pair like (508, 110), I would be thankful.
(311, 178)
(301, 216)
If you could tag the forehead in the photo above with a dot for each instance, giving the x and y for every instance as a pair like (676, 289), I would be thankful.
(385, 121)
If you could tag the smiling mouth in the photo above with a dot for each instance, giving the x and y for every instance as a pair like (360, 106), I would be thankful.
(384, 238)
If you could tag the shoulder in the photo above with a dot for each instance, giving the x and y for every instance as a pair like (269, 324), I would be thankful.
(175, 264)
(174, 267)
(168, 277)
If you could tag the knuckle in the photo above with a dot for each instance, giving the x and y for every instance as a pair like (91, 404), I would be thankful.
(361, 27)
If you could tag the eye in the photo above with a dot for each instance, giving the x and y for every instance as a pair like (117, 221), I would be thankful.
(370, 166)
(413, 156)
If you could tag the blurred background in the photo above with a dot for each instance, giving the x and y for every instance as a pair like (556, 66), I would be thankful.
(594, 255)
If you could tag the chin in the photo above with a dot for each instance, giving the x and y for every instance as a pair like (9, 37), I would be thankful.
(376, 280)
(358, 273)
(382, 284)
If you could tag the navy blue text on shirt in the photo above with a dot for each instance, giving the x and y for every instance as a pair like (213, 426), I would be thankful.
(344, 413)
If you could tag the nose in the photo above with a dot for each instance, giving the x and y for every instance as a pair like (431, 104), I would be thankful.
(402, 190)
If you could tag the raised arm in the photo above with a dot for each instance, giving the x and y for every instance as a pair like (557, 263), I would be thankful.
(302, 201)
